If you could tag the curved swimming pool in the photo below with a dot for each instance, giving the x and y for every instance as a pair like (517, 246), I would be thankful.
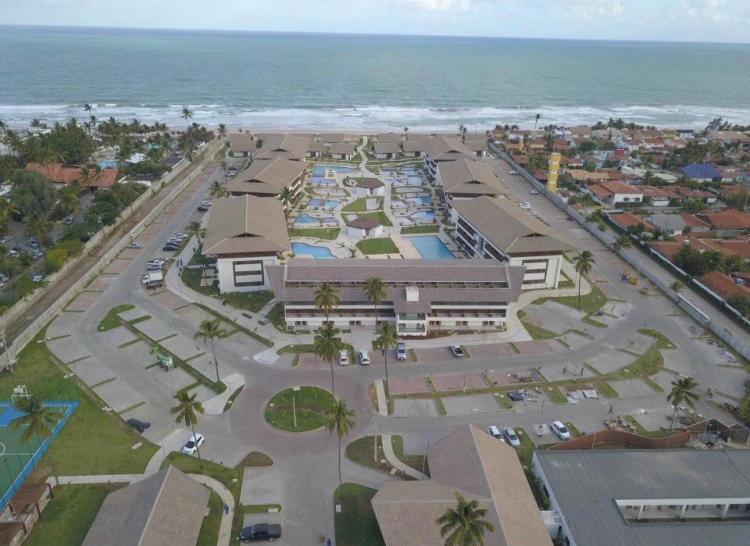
(318, 252)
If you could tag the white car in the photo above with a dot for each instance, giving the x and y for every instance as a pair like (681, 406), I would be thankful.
(513, 172)
(511, 437)
(343, 357)
(560, 430)
(193, 444)
(525, 205)
(364, 358)
(534, 192)
(494, 431)
(37, 278)
(401, 351)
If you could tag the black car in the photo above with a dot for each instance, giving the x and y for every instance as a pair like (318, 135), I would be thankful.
(169, 248)
(515, 396)
(138, 425)
(260, 531)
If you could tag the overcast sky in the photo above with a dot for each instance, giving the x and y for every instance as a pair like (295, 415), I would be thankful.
(679, 20)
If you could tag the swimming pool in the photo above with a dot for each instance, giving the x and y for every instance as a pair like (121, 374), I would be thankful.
(320, 170)
(430, 247)
(420, 200)
(318, 181)
(320, 203)
(306, 219)
(424, 216)
(318, 252)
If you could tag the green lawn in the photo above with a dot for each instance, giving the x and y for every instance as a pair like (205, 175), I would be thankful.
(590, 303)
(361, 452)
(256, 458)
(276, 316)
(379, 215)
(311, 404)
(246, 301)
(537, 332)
(296, 349)
(327, 234)
(259, 508)
(68, 516)
(526, 451)
(92, 441)
(360, 205)
(356, 524)
(663, 342)
(112, 320)
(383, 245)
(415, 230)
(209, 534)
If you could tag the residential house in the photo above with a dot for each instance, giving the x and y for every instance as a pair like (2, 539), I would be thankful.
(422, 295)
(694, 224)
(246, 234)
(65, 176)
(728, 222)
(616, 193)
(498, 229)
(471, 463)
(660, 196)
(466, 178)
(365, 227)
(724, 286)
(669, 224)
(701, 172)
(699, 195)
(628, 222)
(164, 509)
(268, 178)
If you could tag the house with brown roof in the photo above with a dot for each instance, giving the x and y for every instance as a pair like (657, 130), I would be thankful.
(473, 464)
(387, 149)
(366, 186)
(616, 193)
(466, 178)
(246, 235)
(364, 227)
(724, 286)
(727, 223)
(343, 151)
(290, 147)
(165, 509)
(628, 222)
(65, 176)
(268, 178)
(242, 144)
(499, 230)
(442, 149)
(316, 149)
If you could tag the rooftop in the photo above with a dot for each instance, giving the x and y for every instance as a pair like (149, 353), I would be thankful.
(267, 176)
(469, 177)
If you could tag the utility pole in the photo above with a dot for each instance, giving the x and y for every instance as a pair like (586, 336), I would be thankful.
(294, 405)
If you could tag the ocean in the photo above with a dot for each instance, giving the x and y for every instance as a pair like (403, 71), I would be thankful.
(363, 82)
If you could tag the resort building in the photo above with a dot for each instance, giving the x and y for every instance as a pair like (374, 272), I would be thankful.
(652, 497)
(268, 178)
(291, 147)
(165, 509)
(316, 149)
(329, 139)
(387, 150)
(245, 234)
(423, 295)
(343, 151)
(497, 229)
(471, 463)
(441, 149)
(466, 178)
(388, 137)
(414, 146)
(365, 227)
(365, 187)
(242, 144)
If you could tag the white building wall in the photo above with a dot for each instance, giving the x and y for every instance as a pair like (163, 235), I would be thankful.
(237, 275)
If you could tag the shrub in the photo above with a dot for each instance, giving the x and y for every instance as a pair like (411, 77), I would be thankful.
(55, 259)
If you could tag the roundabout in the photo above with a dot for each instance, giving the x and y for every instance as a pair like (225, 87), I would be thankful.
(299, 409)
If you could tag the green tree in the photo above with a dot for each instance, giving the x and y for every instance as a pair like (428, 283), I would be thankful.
(376, 293)
(40, 226)
(583, 263)
(327, 345)
(464, 525)
(186, 411)
(38, 420)
(187, 115)
(194, 228)
(55, 259)
(286, 197)
(623, 241)
(32, 195)
(340, 419)
(326, 298)
(7, 210)
(68, 202)
(682, 392)
(386, 341)
(222, 130)
(209, 330)
(217, 190)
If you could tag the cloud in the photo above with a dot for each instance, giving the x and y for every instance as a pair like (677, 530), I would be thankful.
(437, 5)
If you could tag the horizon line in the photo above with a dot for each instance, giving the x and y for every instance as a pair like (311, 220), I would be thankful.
(381, 34)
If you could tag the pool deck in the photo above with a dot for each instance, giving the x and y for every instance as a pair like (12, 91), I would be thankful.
(408, 250)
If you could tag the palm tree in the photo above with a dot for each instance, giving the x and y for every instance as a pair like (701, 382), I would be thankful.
(536, 120)
(327, 345)
(386, 341)
(623, 241)
(340, 418)
(187, 410)
(217, 190)
(676, 286)
(682, 392)
(40, 226)
(188, 148)
(194, 228)
(326, 298)
(406, 133)
(38, 420)
(584, 263)
(375, 292)
(209, 330)
(222, 130)
(7, 210)
(187, 115)
(464, 524)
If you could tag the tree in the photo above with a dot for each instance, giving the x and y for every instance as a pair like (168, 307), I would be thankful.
(222, 130)
(623, 241)
(340, 419)
(55, 259)
(217, 190)
(286, 196)
(583, 263)
(187, 115)
(327, 345)
(326, 298)
(194, 228)
(40, 226)
(387, 340)
(376, 293)
(464, 525)
(38, 420)
(536, 120)
(676, 286)
(209, 330)
(68, 202)
(682, 392)
(186, 411)
(188, 149)
(406, 133)
(7, 210)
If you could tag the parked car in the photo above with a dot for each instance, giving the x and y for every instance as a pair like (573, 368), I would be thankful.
(457, 351)
(137, 424)
(515, 396)
(511, 438)
(525, 205)
(4, 277)
(193, 444)
(205, 205)
(560, 430)
(513, 172)
(135, 244)
(170, 248)
(5, 239)
(364, 358)
(37, 278)
(534, 192)
(69, 220)
(343, 357)
(494, 431)
(401, 351)
(260, 531)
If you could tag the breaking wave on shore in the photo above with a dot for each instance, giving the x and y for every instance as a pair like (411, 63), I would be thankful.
(374, 117)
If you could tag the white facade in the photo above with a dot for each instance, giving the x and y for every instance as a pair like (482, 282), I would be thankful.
(359, 233)
(367, 192)
(244, 273)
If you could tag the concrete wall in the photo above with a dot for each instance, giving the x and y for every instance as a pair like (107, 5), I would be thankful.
(232, 271)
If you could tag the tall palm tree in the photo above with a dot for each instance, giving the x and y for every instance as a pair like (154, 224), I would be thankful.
(209, 330)
(217, 190)
(327, 345)
(340, 418)
(682, 392)
(406, 133)
(187, 410)
(222, 130)
(286, 197)
(387, 340)
(326, 298)
(194, 228)
(38, 420)
(464, 524)
(536, 121)
(188, 148)
(187, 115)
(375, 292)
(584, 263)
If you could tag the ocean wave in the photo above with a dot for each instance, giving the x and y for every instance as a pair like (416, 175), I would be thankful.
(378, 117)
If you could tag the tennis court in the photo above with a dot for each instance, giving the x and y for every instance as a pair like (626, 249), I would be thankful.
(18, 459)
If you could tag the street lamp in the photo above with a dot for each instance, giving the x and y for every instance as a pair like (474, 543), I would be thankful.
(294, 405)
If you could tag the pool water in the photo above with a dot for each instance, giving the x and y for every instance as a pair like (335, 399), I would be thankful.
(414, 181)
(327, 204)
(306, 219)
(320, 170)
(319, 252)
(318, 181)
(430, 247)
(420, 200)
(425, 216)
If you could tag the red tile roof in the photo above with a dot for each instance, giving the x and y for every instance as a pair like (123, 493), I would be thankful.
(723, 285)
(626, 220)
(606, 189)
(727, 219)
(67, 175)
(693, 221)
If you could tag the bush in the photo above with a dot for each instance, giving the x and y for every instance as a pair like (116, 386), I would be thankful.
(73, 247)
(55, 259)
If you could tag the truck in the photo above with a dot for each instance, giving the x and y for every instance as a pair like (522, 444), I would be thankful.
(153, 279)
(260, 531)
